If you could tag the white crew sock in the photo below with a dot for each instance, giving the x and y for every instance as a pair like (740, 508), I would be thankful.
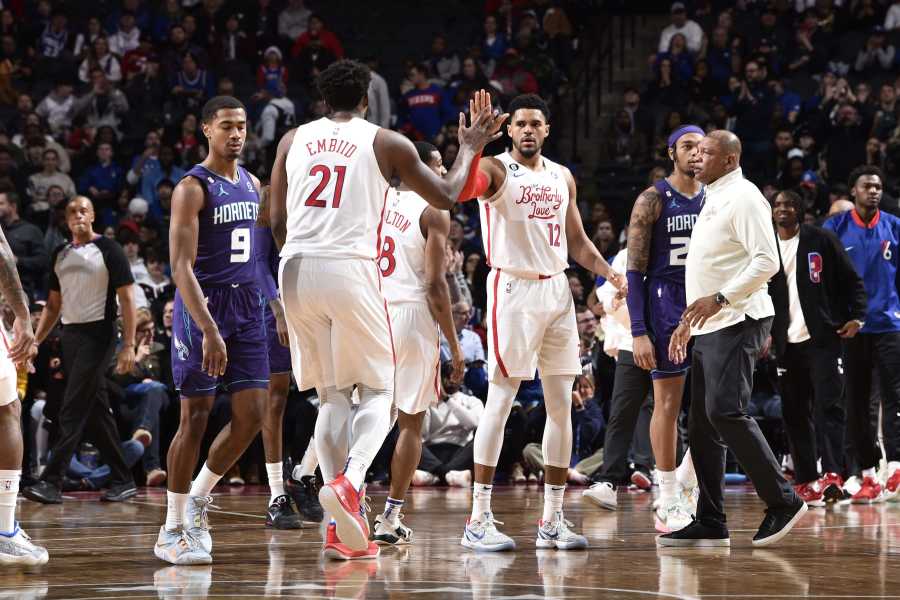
(869, 473)
(553, 500)
(481, 500)
(205, 482)
(307, 466)
(685, 474)
(276, 480)
(667, 485)
(175, 505)
(392, 508)
(9, 488)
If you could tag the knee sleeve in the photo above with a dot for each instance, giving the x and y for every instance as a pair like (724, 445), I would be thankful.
(557, 442)
(332, 434)
(489, 434)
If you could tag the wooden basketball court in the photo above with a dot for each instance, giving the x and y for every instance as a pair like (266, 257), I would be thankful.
(105, 551)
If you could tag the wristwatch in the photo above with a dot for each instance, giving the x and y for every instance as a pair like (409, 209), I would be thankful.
(721, 300)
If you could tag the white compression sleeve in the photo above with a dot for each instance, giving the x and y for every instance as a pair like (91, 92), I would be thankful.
(333, 431)
(557, 443)
(489, 435)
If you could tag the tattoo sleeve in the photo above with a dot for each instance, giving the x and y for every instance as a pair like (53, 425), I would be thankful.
(643, 216)
(10, 284)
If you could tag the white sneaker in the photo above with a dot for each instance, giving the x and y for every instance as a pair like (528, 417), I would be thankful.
(483, 536)
(18, 549)
(556, 533)
(391, 534)
(424, 478)
(461, 479)
(518, 474)
(602, 494)
(196, 521)
(178, 548)
(672, 515)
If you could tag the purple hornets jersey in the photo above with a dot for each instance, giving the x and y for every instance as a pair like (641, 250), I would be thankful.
(266, 257)
(225, 241)
(672, 233)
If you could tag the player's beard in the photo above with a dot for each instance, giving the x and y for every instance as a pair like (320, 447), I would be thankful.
(529, 152)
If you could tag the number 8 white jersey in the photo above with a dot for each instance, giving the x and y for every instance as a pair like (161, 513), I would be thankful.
(402, 260)
(524, 223)
(335, 191)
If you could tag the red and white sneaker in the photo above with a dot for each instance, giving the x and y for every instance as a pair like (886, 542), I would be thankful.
(334, 549)
(892, 487)
(832, 486)
(641, 480)
(810, 493)
(341, 500)
(869, 493)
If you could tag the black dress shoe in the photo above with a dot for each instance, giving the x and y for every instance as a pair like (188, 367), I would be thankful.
(778, 523)
(120, 492)
(43, 492)
(281, 514)
(696, 535)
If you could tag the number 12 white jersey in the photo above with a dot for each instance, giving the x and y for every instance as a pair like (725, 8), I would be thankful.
(335, 191)
(524, 222)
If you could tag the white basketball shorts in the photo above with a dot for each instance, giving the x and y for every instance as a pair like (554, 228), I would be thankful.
(418, 345)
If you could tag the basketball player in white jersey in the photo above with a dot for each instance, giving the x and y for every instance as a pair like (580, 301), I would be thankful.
(531, 225)
(412, 264)
(329, 186)
(16, 548)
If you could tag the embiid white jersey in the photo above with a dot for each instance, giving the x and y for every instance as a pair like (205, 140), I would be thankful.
(336, 192)
(402, 260)
(524, 223)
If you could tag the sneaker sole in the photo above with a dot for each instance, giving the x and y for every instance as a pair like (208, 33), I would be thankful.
(332, 554)
(384, 540)
(544, 544)
(196, 560)
(598, 502)
(778, 536)
(348, 527)
(706, 543)
(660, 526)
(479, 547)
(28, 561)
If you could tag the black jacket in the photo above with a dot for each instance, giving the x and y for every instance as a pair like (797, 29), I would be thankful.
(829, 296)
(27, 243)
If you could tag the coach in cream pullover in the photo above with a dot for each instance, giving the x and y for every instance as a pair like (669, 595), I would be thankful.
(732, 255)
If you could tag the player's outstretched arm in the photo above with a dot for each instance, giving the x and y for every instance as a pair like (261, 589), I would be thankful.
(437, 226)
(581, 248)
(644, 214)
(278, 190)
(187, 202)
(398, 157)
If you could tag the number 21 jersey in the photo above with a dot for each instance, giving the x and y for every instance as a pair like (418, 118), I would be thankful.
(335, 191)
(225, 234)
(524, 223)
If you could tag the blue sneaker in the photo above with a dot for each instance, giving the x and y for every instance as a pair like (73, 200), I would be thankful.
(482, 535)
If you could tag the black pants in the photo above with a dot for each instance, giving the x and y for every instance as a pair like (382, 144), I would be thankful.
(812, 391)
(722, 378)
(87, 352)
(630, 388)
(862, 353)
(437, 459)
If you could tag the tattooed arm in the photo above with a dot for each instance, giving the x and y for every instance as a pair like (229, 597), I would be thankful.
(644, 214)
(11, 287)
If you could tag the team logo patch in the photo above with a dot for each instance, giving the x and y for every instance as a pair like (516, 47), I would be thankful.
(815, 267)
(222, 191)
(886, 250)
(181, 348)
(513, 167)
(249, 186)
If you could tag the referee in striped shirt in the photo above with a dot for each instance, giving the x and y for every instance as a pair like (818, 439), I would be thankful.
(87, 276)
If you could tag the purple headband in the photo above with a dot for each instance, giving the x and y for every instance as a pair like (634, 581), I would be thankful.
(673, 138)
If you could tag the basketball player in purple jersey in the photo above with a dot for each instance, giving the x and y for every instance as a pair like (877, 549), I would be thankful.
(658, 239)
(218, 335)
(301, 491)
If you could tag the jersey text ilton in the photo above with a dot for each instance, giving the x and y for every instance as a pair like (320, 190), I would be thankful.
(397, 220)
(236, 211)
(545, 200)
(342, 147)
(677, 223)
